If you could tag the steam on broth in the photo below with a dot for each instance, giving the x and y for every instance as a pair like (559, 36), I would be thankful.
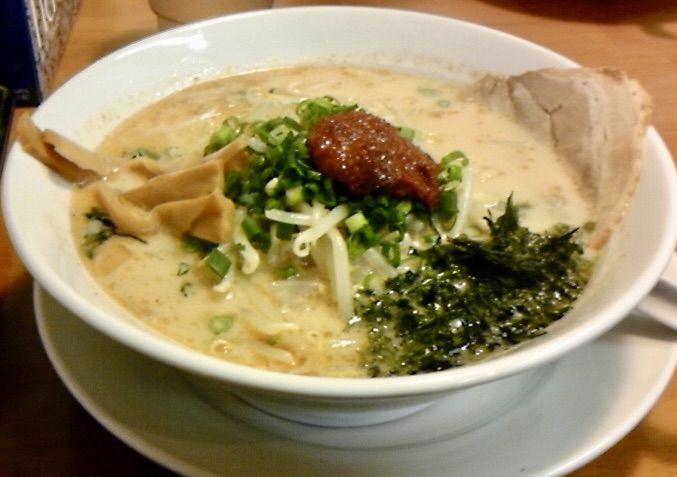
(293, 324)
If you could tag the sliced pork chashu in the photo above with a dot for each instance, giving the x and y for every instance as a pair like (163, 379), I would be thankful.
(595, 119)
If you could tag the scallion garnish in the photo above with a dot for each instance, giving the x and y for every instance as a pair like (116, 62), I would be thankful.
(220, 323)
(355, 222)
(218, 262)
(281, 176)
(289, 272)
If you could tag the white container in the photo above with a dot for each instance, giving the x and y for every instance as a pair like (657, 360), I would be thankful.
(172, 13)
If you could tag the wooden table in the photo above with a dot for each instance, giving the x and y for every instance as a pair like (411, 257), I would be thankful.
(44, 431)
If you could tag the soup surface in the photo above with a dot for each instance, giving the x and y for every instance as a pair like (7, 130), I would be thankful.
(293, 325)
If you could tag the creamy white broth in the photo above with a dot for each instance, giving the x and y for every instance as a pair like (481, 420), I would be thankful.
(300, 330)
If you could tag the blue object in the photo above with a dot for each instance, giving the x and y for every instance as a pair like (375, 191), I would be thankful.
(18, 69)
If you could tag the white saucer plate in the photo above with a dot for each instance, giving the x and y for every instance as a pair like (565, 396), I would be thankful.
(581, 407)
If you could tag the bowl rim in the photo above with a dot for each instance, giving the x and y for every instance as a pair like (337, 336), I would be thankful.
(330, 387)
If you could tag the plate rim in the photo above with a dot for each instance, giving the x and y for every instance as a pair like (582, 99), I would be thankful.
(152, 450)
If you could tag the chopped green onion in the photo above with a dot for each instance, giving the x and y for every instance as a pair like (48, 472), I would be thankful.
(289, 272)
(183, 268)
(274, 203)
(174, 151)
(234, 183)
(144, 152)
(257, 145)
(281, 175)
(271, 185)
(454, 155)
(218, 262)
(368, 281)
(186, 287)
(447, 205)
(100, 227)
(311, 110)
(407, 133)
(327, 194)
(220, 323)
(229, 130)
(391, 251)
(404, 207)
(428, 91)
(278, 135)
(452, 167)
(285, 231)
(251, 228)
(255, 233)
(355, 222)
(294, 196)
(197, 245)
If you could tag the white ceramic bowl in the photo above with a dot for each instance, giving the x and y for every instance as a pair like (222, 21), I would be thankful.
(36, 202)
